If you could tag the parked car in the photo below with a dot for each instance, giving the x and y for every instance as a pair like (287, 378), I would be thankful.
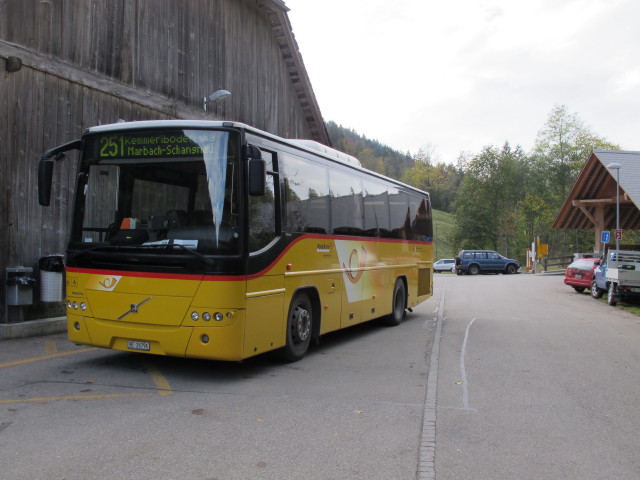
(599, 284)
(579, 274)
(444, 265)
(473, 262)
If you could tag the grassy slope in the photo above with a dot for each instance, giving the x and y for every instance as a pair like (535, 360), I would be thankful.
(442, 226)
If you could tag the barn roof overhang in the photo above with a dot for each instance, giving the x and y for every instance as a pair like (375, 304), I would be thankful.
(277, 13)
(591, 204)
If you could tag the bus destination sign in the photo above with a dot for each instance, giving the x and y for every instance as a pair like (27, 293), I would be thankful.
(193, 143)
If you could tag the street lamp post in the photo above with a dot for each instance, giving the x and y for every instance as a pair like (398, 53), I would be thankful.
(617, 167)
(215, 97)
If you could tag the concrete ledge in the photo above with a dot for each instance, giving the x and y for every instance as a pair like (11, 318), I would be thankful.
(33, 328)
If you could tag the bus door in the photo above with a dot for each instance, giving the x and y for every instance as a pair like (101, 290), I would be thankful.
(265, 313)
(347, 225)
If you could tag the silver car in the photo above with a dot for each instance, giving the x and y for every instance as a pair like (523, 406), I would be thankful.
(444, 265)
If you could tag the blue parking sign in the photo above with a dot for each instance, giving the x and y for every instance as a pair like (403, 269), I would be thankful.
(605, 237)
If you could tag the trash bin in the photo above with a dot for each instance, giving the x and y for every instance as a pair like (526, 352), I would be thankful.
(20, 282)
(51, 278)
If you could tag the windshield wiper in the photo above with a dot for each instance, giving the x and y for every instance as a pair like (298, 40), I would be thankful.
(73, 256)
(202, 257)
(167, 246)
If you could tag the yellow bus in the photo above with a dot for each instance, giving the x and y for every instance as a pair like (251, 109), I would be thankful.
(216, 240)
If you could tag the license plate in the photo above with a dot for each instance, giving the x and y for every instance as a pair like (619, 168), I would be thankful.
(138, 345)
(635, 289)
(578, 276)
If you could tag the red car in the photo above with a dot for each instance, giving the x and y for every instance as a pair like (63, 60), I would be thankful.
(579, 274)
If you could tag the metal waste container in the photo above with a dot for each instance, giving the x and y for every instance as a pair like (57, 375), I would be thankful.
(19, 285)
(51, 278)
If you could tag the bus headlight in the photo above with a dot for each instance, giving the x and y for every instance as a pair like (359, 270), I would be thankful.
(218, 317)
(195, 316)
(206, 316)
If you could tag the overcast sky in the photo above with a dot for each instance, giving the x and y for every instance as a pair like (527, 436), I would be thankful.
(460, 75)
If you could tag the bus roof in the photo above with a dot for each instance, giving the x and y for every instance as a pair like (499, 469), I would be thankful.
(332, 152)
(308, 145)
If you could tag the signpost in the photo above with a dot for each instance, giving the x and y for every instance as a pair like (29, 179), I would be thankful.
(605, 237)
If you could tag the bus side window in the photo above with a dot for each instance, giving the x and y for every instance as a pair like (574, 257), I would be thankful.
(421, 225)
(346, 203)
(376, 209)
(307, 196)
(399, 214)
(262, 210)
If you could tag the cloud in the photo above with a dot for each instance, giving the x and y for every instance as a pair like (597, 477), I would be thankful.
(461, 75)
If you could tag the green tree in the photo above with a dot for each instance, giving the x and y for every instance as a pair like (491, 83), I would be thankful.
(560, 151)
(441, 180)
(534, 216)
(486, 206)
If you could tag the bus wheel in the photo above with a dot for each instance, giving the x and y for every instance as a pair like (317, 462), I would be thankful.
(398, 306)
(299, 328)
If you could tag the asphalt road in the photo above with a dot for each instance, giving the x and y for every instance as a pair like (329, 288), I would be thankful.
(551, 379)
(352, 408)
(517, 377)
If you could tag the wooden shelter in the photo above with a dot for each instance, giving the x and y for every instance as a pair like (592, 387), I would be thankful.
(66, 65)
(591, 204)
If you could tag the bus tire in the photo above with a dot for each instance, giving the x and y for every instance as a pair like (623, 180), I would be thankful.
(299, 328)
(398, 304)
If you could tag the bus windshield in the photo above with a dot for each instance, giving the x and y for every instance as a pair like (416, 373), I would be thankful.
(154, 190)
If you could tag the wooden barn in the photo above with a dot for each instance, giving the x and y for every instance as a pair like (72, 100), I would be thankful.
(66, 65)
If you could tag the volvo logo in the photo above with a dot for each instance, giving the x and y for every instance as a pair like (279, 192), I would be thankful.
(134, 308)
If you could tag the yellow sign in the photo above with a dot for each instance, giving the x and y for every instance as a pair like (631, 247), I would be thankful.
(543, 249)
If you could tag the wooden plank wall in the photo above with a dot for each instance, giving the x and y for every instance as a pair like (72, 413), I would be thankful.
(88, 62)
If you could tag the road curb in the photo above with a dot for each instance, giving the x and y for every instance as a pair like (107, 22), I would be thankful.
(427, 451)
(33, 328)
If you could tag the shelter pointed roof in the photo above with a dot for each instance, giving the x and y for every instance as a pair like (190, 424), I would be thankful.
(595, 189)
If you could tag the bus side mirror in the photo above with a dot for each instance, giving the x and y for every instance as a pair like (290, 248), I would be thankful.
(257, 171)
(257, 177)
(45, 176)
(45, 169)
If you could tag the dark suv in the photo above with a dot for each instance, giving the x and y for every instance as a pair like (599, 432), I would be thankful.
(473, 262)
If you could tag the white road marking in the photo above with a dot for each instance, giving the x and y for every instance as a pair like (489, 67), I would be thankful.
(463, 371)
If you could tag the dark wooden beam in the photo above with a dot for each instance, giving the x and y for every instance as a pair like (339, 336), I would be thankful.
(152, 100)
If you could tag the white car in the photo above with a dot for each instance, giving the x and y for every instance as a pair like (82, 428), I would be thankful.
(444, 265)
